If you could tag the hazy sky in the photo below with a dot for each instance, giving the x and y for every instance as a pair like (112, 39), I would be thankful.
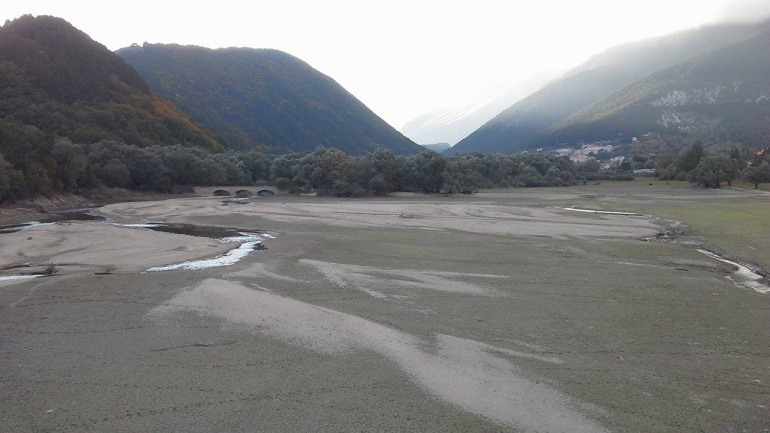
(401, 58)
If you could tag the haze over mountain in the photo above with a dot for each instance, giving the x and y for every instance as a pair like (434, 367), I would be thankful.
(263, 97)
(59, 83)
(448, 126)
(720, 96)
(527, 123)
(452, 125)
(437, 147)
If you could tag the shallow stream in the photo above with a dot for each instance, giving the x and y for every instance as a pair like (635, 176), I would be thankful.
(743, 275)
(247, 241)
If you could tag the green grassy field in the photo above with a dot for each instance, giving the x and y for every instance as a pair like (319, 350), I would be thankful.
(735, 221)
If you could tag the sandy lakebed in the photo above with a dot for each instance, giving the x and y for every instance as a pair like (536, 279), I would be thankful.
(508, 310)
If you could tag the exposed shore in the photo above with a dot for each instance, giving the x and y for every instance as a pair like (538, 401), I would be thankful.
(500, 311)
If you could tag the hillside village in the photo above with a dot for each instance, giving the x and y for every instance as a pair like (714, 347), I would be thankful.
(605, 156)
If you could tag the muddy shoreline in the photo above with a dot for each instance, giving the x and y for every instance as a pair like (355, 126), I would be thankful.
(495, 312)
(41, 208)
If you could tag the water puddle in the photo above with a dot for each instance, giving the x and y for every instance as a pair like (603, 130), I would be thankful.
(138, 225)
(247, 242)
(602, 212)
(221, 233)
(74, 215)
(236, 201)
(13, 228)
(18, 277)
(52, 218)
(743, 276)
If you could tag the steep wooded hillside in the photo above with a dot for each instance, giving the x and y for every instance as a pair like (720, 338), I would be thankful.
(55, 81)
(262, 97)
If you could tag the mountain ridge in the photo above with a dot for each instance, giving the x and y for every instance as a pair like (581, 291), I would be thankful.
(722, 95)
(527, 123)
(37, 44)
(59, 82)
(263, 97)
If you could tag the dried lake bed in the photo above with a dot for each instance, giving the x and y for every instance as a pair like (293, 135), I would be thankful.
(507, 310)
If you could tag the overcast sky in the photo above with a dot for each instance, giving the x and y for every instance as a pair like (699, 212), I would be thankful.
(401, 58)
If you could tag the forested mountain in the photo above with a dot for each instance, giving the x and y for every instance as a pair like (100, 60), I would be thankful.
(527, 123)
(720, 96)
(55, 81)
(263, 97)
(62, 96)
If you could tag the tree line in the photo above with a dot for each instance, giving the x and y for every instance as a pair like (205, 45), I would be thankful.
(698, 166)
(62, 166)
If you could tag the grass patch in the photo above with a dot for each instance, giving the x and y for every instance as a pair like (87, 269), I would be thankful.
(735, 220)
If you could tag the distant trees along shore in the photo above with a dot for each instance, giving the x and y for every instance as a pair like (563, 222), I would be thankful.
(62, 166)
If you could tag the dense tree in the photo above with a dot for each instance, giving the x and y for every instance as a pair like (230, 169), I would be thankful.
(757, 174)
(114, 173)
(528, 175)
(70, 166)
(589, 166)
(256, 164)
(10, 181)
(426, 172)
(381, 170)
(690, 159)
(323, 168)
(681, 167)
(711, 171)
(281, 166)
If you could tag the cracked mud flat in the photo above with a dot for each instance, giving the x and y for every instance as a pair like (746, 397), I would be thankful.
(496, 312)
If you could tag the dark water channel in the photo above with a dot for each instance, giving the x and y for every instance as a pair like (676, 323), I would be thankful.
(85, 215)
(194, 230)
(54, 217)
(247, 242)
(74, 215)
